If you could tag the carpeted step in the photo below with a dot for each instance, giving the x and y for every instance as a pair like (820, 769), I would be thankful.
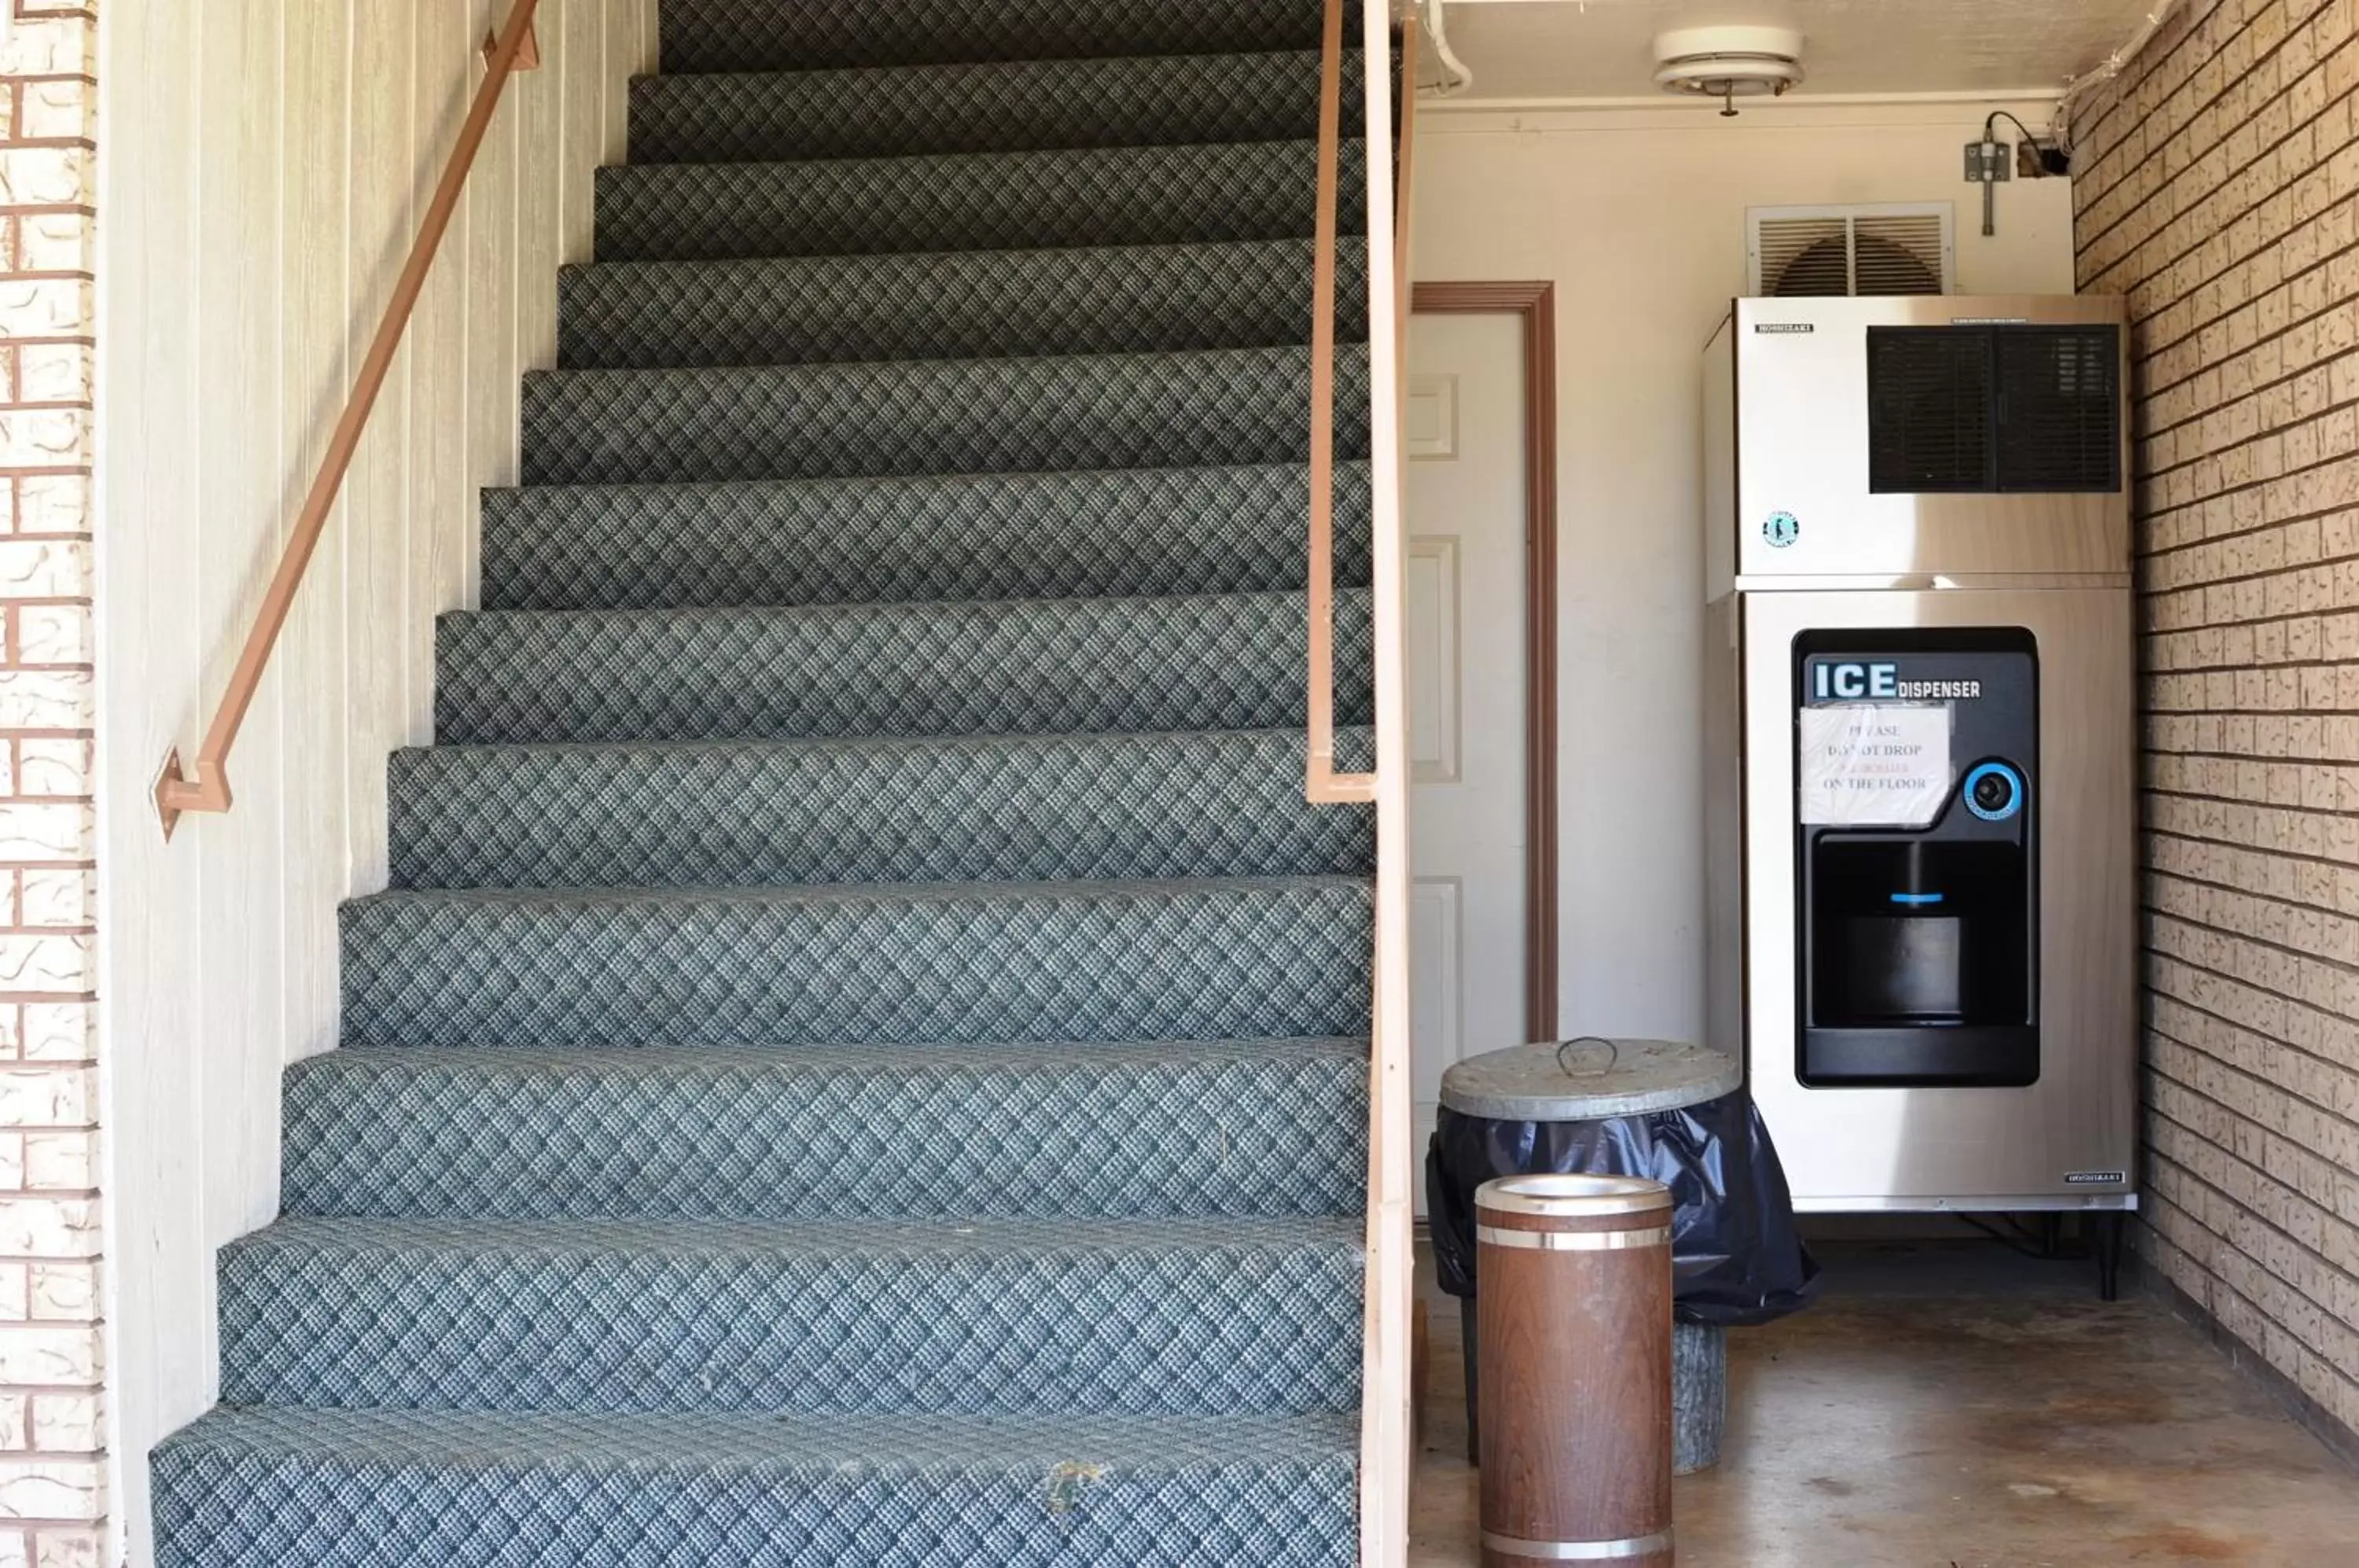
(1170, 1317)
(1022, 106)
(992, 536)
(1197, 804)
(1031, 666)
(942, 415)
(789, 35)
(467, 1490)
(962, 962)
(1010, 201)
(836, 310)
(1173, 1128)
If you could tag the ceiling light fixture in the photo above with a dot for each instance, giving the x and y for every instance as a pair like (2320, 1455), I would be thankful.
(1728, 63)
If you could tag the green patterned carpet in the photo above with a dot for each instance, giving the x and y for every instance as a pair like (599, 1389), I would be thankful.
(863, 1061)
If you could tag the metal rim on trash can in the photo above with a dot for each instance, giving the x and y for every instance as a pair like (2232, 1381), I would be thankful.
(1561, 1196)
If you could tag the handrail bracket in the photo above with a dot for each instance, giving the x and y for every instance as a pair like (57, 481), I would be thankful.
(177, 792)
(528, 55)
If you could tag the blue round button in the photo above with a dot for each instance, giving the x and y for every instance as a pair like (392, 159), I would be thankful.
(1781, 529)
(1994, 791)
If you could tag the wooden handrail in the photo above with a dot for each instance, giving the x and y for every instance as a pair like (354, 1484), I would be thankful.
(206, 788)
(1404, 190)
(1322, 785)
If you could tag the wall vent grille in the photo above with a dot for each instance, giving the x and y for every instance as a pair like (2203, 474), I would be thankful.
(1888, 248)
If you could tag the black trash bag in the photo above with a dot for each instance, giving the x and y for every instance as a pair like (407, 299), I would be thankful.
(1737, 1259)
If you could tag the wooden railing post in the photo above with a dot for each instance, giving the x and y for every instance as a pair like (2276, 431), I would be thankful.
(1386, 1454)
(204, 785)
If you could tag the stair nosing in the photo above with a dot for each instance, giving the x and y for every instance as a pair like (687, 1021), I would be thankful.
(1309, 53)
(857, 606)
(1137, 149)
(544, 1437)
(986, 478)
(815, 368)
(820, 745)
(626, 264)
(898, 1236)
(819, 894)
(819, 1058)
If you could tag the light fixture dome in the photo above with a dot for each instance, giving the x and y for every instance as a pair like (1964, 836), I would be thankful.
(1729, 63)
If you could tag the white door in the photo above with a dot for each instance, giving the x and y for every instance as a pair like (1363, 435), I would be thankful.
(1465, 603)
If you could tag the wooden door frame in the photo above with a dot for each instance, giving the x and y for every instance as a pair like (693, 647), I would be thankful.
(1534, 303)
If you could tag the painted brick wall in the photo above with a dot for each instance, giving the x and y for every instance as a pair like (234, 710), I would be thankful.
(2217, 185)
(52, 1420)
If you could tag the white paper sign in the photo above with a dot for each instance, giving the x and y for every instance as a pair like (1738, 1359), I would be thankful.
(1875, 764)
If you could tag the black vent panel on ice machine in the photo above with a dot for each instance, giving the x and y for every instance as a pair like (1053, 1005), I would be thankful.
(1928, 409)
(2011, 408)
(2059, 408)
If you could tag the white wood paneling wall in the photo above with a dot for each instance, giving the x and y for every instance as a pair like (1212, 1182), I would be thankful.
(263, 165)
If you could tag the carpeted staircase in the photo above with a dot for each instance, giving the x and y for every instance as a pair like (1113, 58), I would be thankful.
(861, 1063)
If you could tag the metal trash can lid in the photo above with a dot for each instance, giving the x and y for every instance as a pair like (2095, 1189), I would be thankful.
(1588, 1079)
(1572, 1196)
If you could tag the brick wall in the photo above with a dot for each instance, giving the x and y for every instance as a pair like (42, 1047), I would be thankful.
(2217, 186)
(52, 1421)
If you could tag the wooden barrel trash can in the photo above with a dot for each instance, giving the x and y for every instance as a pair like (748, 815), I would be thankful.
(1575, 1319)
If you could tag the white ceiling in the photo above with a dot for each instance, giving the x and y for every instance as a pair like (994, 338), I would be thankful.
(1598, 48)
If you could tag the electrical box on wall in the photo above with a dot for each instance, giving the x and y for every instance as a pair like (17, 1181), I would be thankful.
(1920, 729)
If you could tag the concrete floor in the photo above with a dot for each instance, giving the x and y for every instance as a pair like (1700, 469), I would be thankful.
(1957, 1406)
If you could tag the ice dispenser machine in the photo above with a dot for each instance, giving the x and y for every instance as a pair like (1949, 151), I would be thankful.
(1919, 746)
